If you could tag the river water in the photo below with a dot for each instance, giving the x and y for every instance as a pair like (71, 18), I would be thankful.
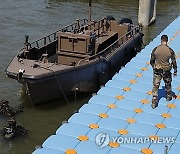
(38, 18)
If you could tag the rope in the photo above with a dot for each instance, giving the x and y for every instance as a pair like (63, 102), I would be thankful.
(59, 86)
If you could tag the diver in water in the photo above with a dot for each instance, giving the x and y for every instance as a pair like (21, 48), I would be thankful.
(13, 130)
(9, 131)
(6, 110)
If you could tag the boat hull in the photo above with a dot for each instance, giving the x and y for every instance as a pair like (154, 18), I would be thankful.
(84, 78)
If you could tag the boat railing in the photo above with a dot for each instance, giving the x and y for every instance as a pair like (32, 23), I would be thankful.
(130, 34)
(75, 27)
(53, 36)
(97, 26)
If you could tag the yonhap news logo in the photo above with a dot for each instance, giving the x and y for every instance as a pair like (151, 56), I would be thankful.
(103, 139)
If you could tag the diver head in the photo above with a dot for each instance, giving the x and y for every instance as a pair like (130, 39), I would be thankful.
(12, 122)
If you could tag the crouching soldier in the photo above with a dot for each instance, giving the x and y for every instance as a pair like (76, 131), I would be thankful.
(13, 130)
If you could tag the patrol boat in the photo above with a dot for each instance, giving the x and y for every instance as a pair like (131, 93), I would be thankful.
(79, 57)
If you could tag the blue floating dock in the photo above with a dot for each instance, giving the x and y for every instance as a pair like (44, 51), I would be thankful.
(122, 109)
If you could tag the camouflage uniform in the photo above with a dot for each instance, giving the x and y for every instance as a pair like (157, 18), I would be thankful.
(6, 110)
(162, 69)
(13, 130)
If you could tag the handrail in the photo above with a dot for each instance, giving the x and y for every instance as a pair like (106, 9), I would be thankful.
(54, 35)
(93, 23)
(75, 27)
(20, 51)
(72, 28)
(133, 31)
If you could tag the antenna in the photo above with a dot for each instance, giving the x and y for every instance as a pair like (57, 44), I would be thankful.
(90, 5)
(26, 42)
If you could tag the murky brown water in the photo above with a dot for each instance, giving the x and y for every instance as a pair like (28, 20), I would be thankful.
(39, 18)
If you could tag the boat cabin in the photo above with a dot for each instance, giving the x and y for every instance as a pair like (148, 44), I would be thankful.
(88, 40)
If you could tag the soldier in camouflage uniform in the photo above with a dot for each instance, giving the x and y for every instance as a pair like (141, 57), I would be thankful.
(159, 61)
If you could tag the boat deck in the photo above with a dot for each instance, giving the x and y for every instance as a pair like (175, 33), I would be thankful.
(31, 71)
(122, 110)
